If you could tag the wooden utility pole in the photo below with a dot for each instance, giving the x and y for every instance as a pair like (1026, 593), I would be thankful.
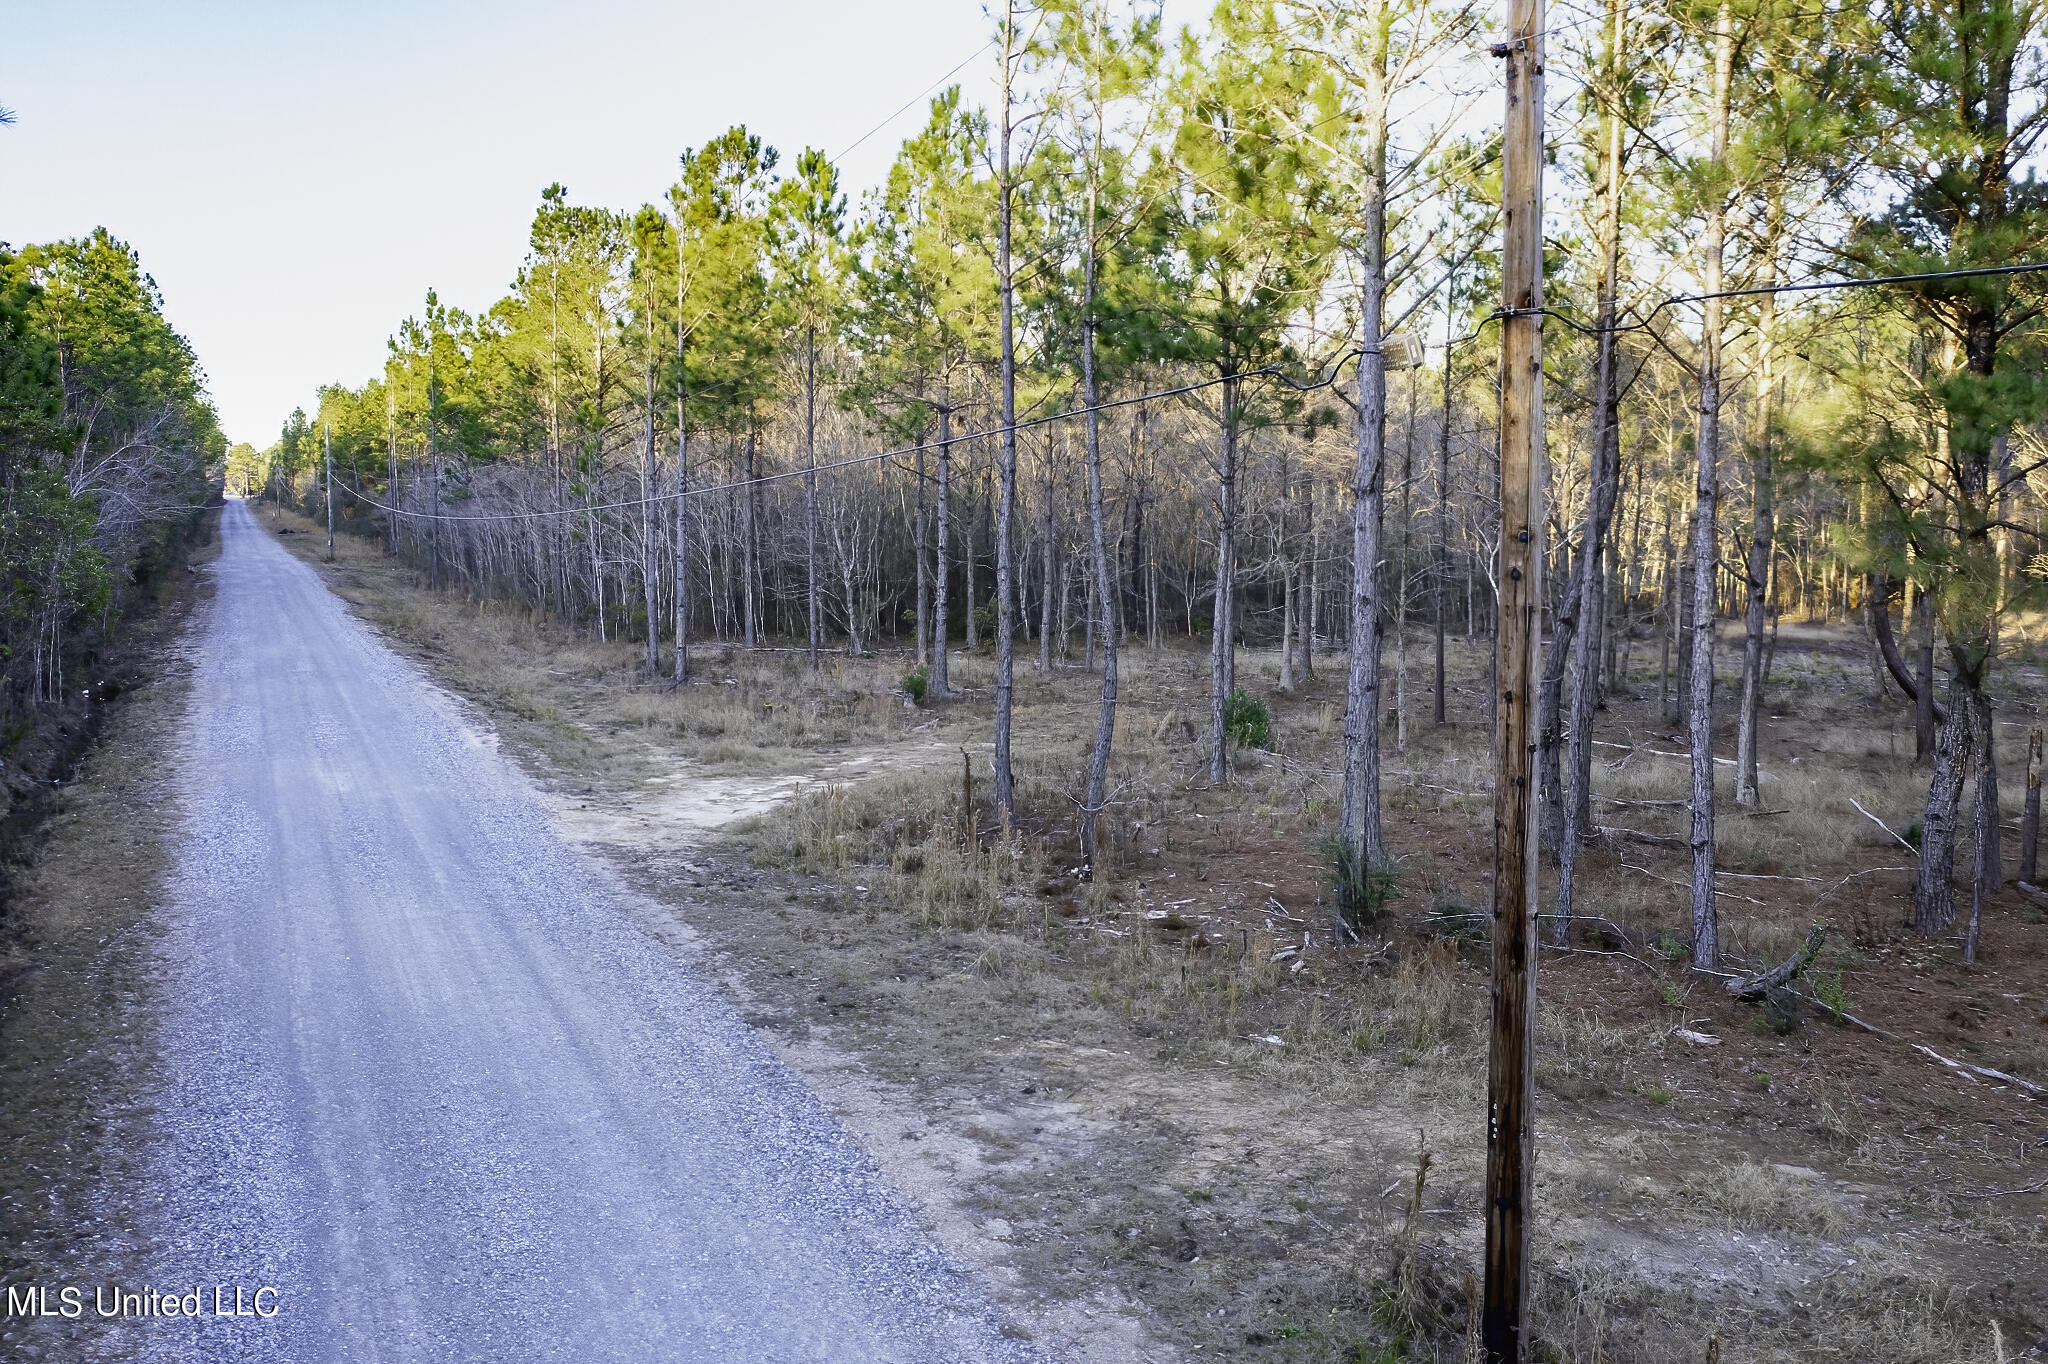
(327, 434)
(1504, 1325)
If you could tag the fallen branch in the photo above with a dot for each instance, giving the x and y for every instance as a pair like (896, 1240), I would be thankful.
(1983, 1072)
(1638, 836)
(1447, 790)
(1786, 971)
(1279, 911)
(1608, 926)
(1827, 894)
(1686, 757)
(1847, 1017)
(2028, 1088)
(1600, 952)
(1884, 826)
(1645, 871)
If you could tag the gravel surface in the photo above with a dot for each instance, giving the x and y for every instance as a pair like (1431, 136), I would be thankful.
(430, 1081)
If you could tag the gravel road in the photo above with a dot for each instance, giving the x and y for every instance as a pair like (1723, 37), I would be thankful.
(428, 1078)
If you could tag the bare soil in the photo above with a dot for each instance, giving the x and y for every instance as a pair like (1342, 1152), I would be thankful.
(1169, 1117)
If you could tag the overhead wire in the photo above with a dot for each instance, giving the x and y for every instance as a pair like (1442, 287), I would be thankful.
(1263, 372)
(1273, 372)
(912, 102)
(1811, 286)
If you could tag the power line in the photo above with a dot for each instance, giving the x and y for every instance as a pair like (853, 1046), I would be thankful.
(1263, 372)
(1499, 314)
(908, 104)
(1979, 272)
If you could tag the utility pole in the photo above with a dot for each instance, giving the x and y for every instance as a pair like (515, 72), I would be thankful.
(434, 473)
(327, 435)
(811, 494)
(1504, 1318)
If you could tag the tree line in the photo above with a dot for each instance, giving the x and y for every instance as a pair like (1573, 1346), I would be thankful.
(1190, 335)
(109, 452)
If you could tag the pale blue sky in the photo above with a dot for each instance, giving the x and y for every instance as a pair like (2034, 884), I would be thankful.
(296, 175)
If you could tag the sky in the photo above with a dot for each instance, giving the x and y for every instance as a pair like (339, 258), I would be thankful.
(297, 175)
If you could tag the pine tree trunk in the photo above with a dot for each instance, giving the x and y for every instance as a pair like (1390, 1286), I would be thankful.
(1873, 603)
(1699, 701)
(1602, 493)
(1311, 591)
(1403, 574)
(1065, 618)
(1441, 532)
(681, 573)
(750, 550)
(1924, 740)
(1006, 608)
(970, 636)
(1989, 869)
(648, 575)
(921, 535)
(2030, 821)
(1221, 646)
(1557, 655)
(1088, 617)
(1287, 627)
(1763, 515)
(1934, 890)
(1105, 596)
(1359, 818)
(1048, 574)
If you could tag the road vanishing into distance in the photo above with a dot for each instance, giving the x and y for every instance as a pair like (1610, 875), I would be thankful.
(426, 1077)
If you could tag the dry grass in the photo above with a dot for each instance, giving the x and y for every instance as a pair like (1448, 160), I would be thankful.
(1762, 1197)
(868, 823)
(77, 1051)
(1229, 1048)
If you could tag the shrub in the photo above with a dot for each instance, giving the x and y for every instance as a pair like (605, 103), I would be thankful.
(1246, 719)
(1780, 1012)
(1831, 993)
(1458, 922)
(917, 682)
(1361, 889)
